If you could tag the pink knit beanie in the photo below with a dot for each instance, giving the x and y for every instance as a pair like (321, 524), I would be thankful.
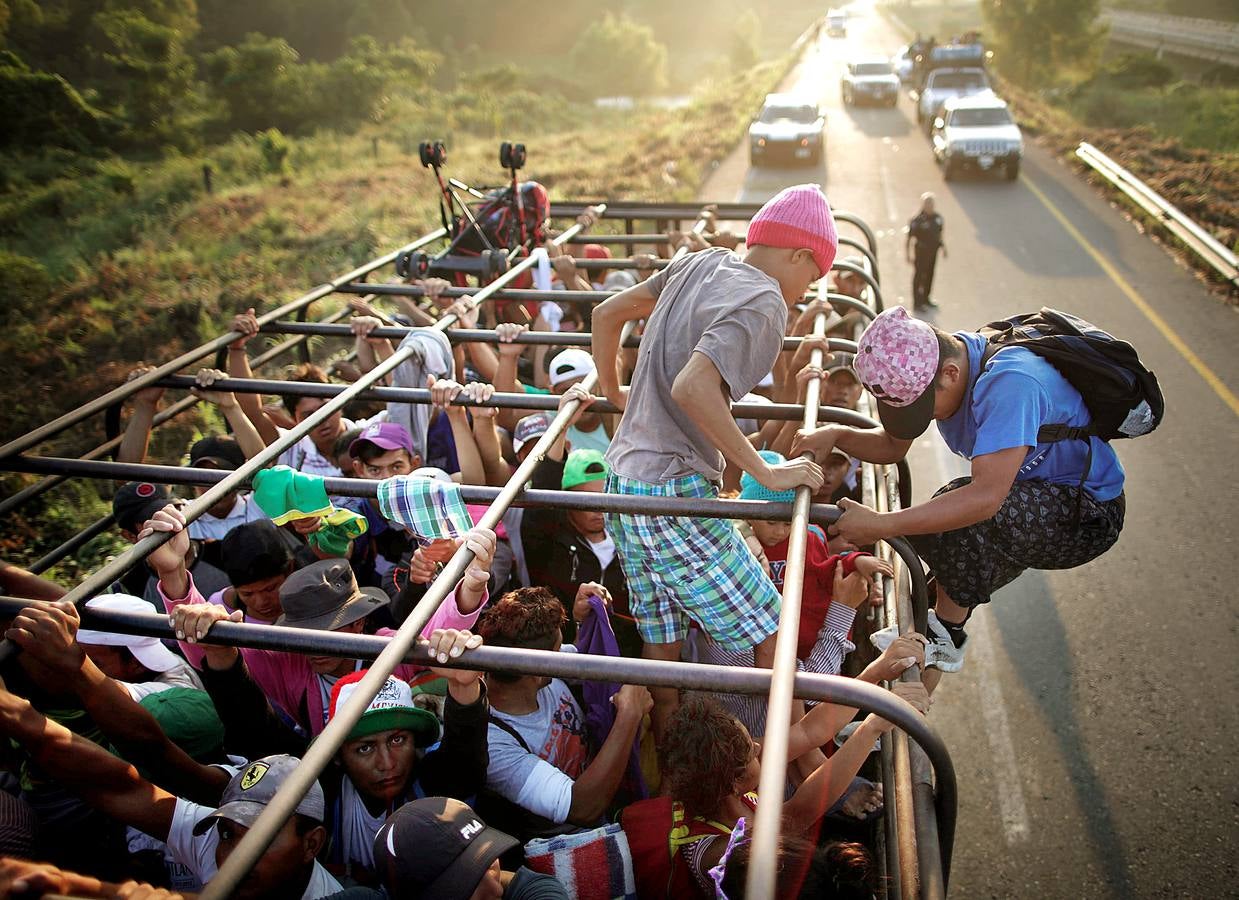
(797, 217)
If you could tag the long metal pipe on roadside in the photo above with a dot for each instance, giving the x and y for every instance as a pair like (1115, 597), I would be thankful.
(323, 750)
(129, 388)
(763, 859)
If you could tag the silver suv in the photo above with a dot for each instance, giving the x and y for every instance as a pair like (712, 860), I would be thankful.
(870, 81)
(977, 133)
(789, 129)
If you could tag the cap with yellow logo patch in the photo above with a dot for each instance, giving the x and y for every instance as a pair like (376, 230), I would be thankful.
(251, 789)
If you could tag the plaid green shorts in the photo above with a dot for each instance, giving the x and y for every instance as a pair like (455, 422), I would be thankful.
(682, 569)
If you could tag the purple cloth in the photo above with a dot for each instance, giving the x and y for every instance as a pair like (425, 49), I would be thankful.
(596, 636)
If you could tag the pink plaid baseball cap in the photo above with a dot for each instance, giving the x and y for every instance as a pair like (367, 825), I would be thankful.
(797, 217)
(896, 360)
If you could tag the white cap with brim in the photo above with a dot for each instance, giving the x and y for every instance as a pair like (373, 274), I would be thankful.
(571, 363)
(149, 651)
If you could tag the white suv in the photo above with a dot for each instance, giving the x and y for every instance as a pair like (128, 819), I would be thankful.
(977, 133)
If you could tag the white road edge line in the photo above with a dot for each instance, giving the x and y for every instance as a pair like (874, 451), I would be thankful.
(1007, 772)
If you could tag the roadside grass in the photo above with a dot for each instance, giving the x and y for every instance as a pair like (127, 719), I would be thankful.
(142, 264)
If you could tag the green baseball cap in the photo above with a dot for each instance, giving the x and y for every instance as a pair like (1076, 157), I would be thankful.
(188, 718)
(583, 466)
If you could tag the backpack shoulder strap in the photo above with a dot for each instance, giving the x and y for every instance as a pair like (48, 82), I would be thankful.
(504, 726)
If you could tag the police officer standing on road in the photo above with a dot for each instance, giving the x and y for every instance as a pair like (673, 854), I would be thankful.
(926, 230)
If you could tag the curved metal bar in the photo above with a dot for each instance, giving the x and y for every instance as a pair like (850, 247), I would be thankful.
(576, 666)
(878, 302)
(413, 290)
(783, 411)
(851, 303)
(865, 251)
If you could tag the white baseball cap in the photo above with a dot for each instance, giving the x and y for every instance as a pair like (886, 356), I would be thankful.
(571, 363)
(149, 651)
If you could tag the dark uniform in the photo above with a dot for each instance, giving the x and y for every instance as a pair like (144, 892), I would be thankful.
(925, 230)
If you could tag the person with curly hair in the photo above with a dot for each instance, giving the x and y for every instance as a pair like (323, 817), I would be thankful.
(711, 766)
(542, 776)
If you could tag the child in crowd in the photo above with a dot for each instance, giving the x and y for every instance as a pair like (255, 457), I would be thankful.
(715, 327)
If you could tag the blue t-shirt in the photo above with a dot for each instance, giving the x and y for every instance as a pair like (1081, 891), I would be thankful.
(1007, 404)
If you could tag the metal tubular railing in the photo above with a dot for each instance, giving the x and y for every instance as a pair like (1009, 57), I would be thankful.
(323, 750)
(129, 388)
(414, 290)
(723, 212)
(783, 411)
(489, 336)
(819, 513)
(267, 356)
(575, 666)
(763, 860)
(783, 683)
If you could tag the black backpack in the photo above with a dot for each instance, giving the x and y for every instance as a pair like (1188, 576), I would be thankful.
(1122, 396)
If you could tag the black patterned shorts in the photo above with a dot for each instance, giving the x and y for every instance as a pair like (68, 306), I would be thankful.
(1035, 528)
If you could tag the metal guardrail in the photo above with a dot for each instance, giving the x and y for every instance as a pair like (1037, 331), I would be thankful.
(1192, 235)
(1208, 39)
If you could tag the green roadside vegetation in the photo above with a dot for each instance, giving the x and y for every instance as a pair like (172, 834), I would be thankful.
(112, 252)
(1178, 133)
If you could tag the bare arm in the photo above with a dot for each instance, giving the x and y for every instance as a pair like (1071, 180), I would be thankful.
(137, 434)
(248, 438)
(593, 790)
(826, 785)
(867, 444)
(48, 633)
(700, 393)
(17, 582)
(104, 781)
(239, 367)
(610, 317)
(992, 477)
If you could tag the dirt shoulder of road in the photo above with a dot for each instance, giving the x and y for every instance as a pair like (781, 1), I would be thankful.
(1203, 184)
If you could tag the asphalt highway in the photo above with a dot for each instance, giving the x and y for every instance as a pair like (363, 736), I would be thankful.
(1094, 725)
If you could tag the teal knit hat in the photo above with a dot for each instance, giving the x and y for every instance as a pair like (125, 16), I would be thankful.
(752, 489)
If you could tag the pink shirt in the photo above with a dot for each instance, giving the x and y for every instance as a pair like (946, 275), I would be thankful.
(287, 679)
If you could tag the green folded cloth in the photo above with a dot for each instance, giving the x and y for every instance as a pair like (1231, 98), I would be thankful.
(287, 495)
(338, 529)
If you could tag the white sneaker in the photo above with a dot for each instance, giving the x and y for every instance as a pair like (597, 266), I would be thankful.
(941, 652)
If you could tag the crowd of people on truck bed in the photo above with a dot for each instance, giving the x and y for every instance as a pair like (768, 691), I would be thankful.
(134, 766)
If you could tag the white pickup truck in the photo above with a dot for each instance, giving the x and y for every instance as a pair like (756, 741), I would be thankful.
(977, 133)
(943, 84)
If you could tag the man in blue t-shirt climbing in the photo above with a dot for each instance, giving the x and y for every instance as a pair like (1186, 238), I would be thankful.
(1026, 505)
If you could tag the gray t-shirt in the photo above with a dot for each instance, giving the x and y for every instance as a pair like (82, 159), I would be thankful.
(709, 302)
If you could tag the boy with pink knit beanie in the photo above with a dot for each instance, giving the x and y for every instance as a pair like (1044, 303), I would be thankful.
(715, 324)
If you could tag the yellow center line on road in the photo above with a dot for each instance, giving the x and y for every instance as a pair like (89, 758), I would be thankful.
(1226, 394)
